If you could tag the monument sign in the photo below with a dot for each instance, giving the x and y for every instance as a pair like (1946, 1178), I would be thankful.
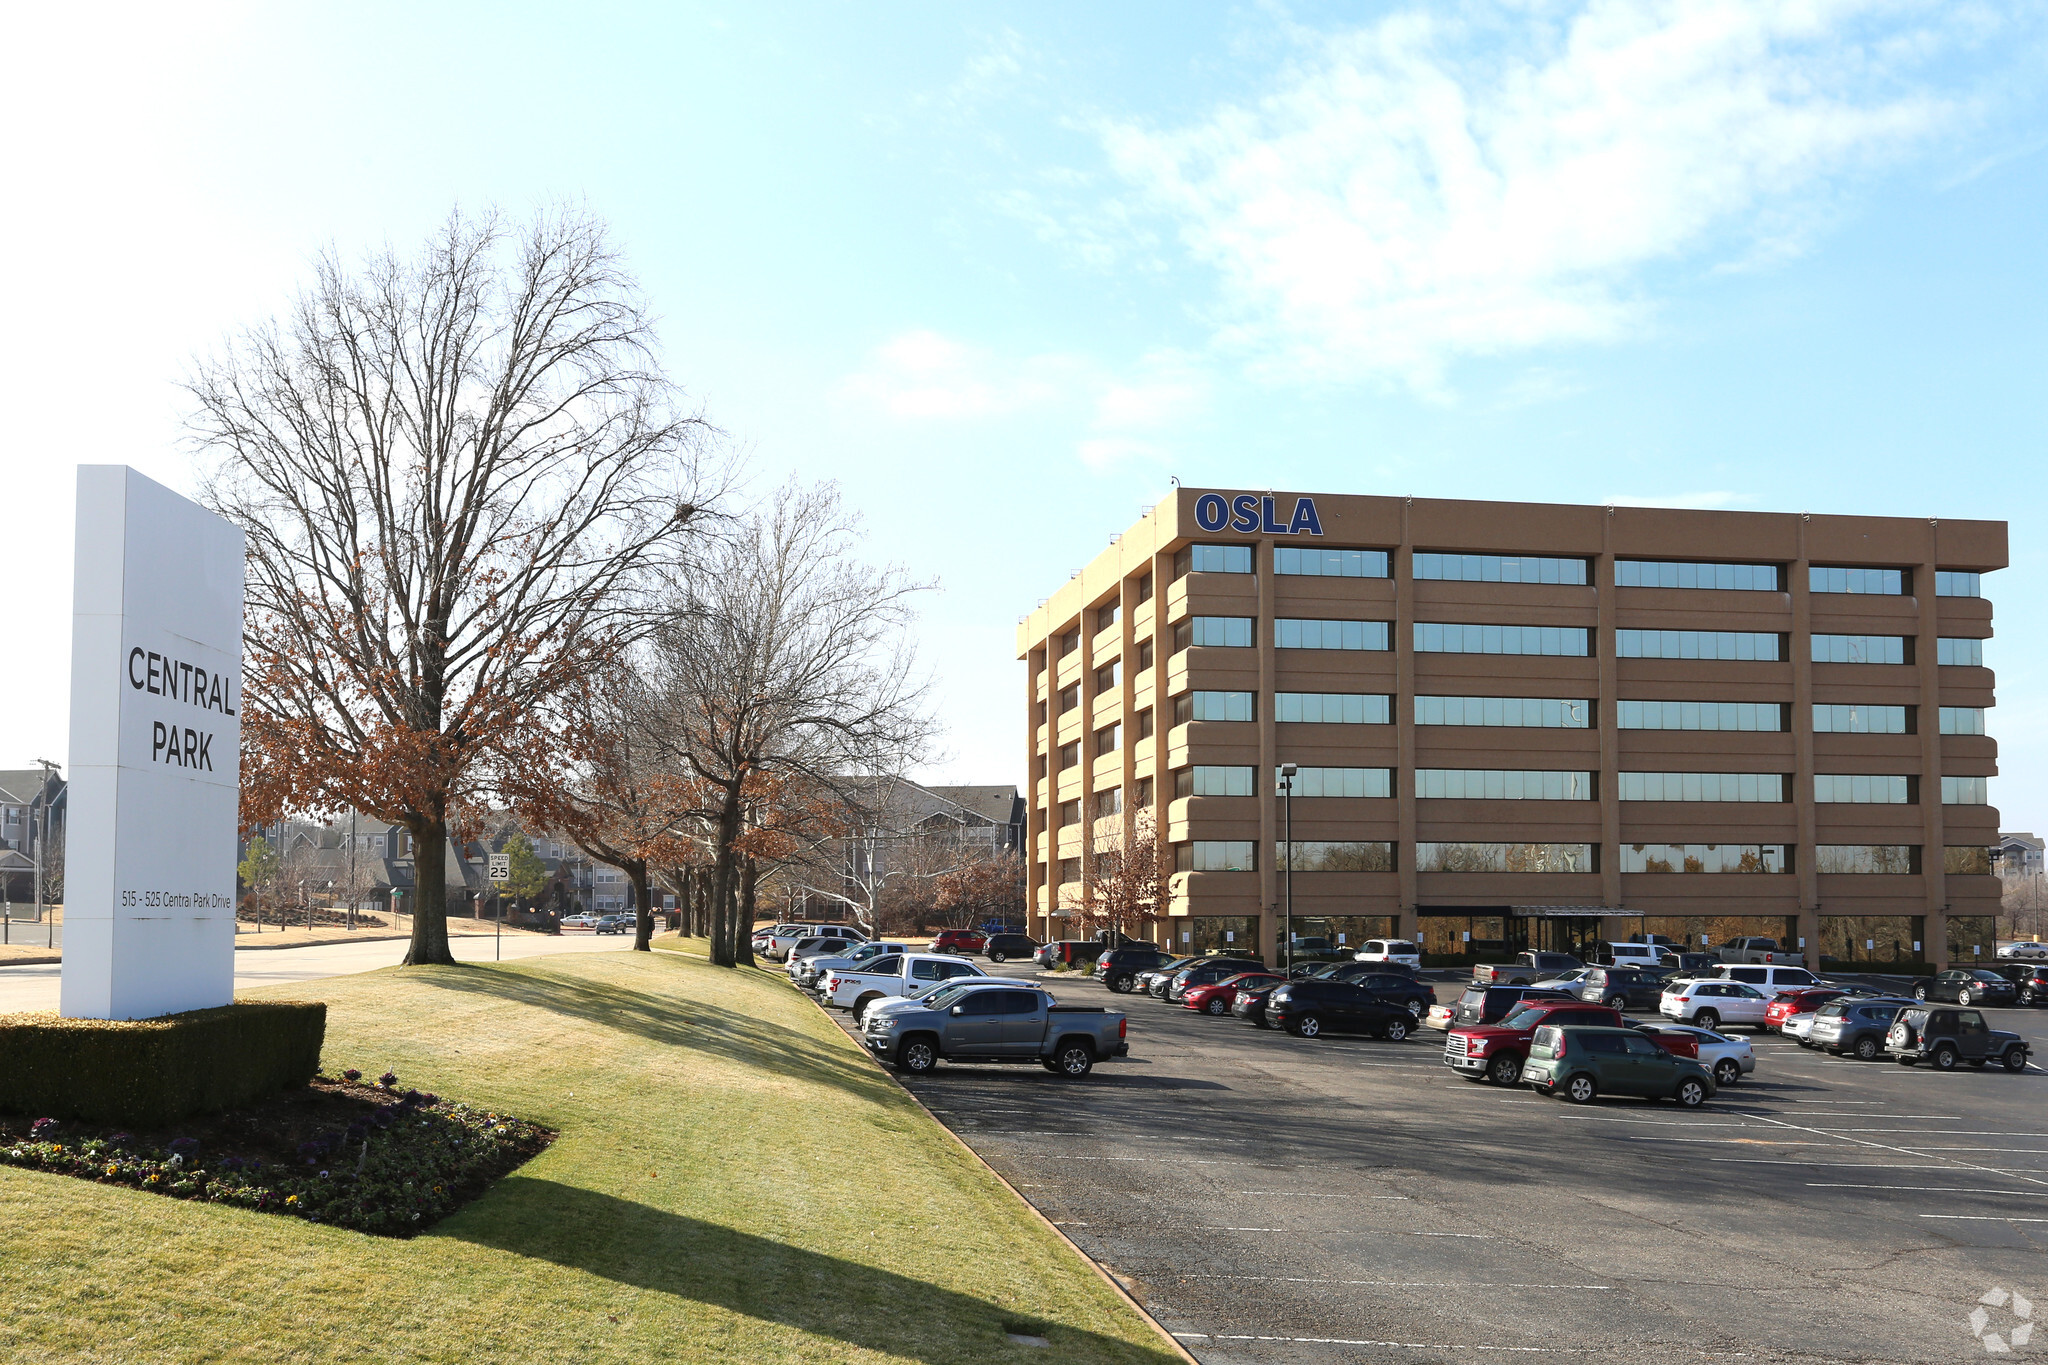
(156, 700)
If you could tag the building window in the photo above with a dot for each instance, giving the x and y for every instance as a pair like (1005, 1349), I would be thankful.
(1950, 583)
(1070, 696)
(1322, 855)
(1069, 642)
(1702, 786)
(1145, 587)
(1862, 789)
(1499, 568)
(1497, 784)
(1432, 638)
(1215, 855)
(1109, 803)
(1652, 573)
(1966, 860)
(1704, 858)
(1863, 649)
(1215, 706)
(1105, 617)
(1039, 766)
(1836, 719)
(1962, 720)
(1145, 723)
(1144, 654)
(1290, 559)
(1543, 713)
(1313, 782)
(1108, 739)
(1882, 582)
(1228, 632)
(1507, 858)
(1698, 644)
(1143, 795)
(1700, 715)
(1070, 813)
(1866, 858)
(1959, 653)
(1214, 559)
(1965, 791)
(1212, 780)
(1109, 675)
(1296, 634)
(1333, 708)
(1070, 869)
(1070, 754)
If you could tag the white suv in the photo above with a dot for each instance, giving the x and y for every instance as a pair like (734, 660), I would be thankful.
(1389, 950)
(1769, 980)
(1713, 1004)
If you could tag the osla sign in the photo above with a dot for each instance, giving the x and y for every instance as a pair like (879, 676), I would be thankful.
(156, 648)
(1250, 512)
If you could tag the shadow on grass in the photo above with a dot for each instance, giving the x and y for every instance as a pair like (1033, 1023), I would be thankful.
(676, 1021)
(648, 1248)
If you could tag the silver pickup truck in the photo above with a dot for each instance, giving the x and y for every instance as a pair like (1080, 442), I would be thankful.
(995, 1023)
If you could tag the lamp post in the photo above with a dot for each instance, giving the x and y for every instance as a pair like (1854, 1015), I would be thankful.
(42, 839)
(1287, 771)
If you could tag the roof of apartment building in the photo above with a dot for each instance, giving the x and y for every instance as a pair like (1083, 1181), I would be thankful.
(23, 786)
(1002, 805)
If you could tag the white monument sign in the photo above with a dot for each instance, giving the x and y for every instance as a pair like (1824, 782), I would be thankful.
(156, 700)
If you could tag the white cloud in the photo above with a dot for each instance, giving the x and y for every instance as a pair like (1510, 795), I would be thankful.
(1475, 179)
(1710, 499)
(925, 375)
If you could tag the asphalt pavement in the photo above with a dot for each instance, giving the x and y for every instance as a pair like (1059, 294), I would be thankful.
(1276, 1199)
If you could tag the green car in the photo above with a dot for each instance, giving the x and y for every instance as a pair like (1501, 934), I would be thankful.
(1583, 1063)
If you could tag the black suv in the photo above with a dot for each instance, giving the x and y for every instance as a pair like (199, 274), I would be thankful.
(1947, 1036)
(2030, 979)
(1003, 947)
(1119, 967)
(1623, 988)
(1491, 1004)
(1207, 972)
(1967, 986)
(1308, 1009)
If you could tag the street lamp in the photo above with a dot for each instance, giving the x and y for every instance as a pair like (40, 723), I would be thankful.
(1287, 772)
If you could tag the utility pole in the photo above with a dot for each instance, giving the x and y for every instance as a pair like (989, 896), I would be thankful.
(1287, 771)
(42, 839)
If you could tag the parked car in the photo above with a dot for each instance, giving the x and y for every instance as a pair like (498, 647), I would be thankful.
(1495, 1051)
(787, 936)
(1525, 970)
(1947, 1036)
(1216, 997)
(1008, 1023)
(1968, 986)
(1690, 964)
(911, 974)
(1763, 950)
(1856, 1025)
(2029, 980)
(1626, 954)
(1309, 1009)
(1074, 952)
(1160, 983)
(614, 924)
(2023, 949)
(959, 941)
(816, 946)
(1389, 950)
(1490, 1004)
(1207, 972)
(1146, 979)
(590, 922)
(1791, 1003)
(1709, 1004)
(1003, 947)
(1119, 967)
(1622, 988)
(1584, 1063)
(1770, 980)
(809, 972)
(1568, 982)
(1249, 1004)
(1728, 1058)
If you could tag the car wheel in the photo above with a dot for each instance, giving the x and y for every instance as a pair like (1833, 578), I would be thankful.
(1505, 1070)
(995, 957)
(1726, 1072)
(1308, 1026)
(2014, 1059)
(1216, 1006)
(1691, 1094)
(1867, 1049)
(1581, 1090)
(916, 1057)
(1397, 1030)
(1616, 1002)
(2026, 995)
(1963, 997)
(1706, 1019)
(1121, 984)
(1074, 1060)
(1415, 1010)
(1944, 1058)
(1919, 992)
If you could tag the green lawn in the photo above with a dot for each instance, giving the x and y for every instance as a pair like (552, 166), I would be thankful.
(733, 1182)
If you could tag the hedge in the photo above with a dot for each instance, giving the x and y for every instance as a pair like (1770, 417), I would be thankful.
(152, 1072)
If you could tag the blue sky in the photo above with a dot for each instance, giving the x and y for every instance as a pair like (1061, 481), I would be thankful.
(1002, 270)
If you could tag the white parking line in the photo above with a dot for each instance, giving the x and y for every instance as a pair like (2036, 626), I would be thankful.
(1406, 1345)
(1317, 1194)
(1390, 1284)
(1981, 1218)
(1366, 1232)
(1929, 1189)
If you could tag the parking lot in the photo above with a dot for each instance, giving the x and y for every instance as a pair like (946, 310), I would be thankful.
(1276, 1199)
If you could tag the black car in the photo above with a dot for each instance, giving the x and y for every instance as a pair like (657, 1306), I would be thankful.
(1622, 988)
(1945, 1037)
(1967, 986)
(1855, 1025)
(1003, 947)
(1250, 1004)
(1491, 1004)
(1119, 967)
(1206, 972)
(1309, 1009)
(2029, 980)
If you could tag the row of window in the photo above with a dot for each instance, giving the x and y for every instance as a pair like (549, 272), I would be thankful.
(1434, 637)
(1519, 784)
(1573, 571)
(1553, 713)
(1241, 855)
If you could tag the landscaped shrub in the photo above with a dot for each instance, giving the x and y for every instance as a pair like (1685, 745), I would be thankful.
(150, 1072)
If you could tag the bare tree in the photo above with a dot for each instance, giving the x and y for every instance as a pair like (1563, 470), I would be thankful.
(786, 664)
(1128, 869)
(458, 472)
(988, 885)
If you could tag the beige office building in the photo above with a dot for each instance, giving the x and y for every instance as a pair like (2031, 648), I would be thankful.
(1523, 725)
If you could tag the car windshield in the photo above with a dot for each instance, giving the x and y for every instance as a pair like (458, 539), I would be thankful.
(945, 995)
(1521, 1015)
(1834, 1009)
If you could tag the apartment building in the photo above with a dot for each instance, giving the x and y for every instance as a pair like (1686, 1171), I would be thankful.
(1524, 725)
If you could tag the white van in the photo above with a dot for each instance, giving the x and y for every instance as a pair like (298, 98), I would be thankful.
(1628, 955)
(1397, 950)
(1770, 980)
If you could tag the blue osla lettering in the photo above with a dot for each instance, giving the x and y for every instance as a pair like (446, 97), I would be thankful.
(1245, 512)
(1211, 511)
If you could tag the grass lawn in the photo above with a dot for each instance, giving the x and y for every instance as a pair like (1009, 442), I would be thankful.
(733, 1182)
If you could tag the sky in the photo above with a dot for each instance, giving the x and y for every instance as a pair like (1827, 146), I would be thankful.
(1004, 271)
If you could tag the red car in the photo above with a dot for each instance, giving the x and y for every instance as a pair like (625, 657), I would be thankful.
(1218, 998)
(1495, 1052)
(959, 941)
(1796, 1002)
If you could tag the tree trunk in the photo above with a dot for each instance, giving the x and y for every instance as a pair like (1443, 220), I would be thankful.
(429, 945)
(725, 896)
(743, 936)
(643, 926)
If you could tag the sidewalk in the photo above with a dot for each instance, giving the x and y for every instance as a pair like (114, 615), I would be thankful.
(32, 951)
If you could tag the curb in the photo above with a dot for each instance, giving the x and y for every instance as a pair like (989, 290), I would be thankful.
(48, 960)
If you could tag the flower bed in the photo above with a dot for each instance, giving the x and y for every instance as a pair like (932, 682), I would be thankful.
(368, 1156)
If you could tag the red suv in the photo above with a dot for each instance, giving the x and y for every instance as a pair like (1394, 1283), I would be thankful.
(959, 941)
(1495, 1052)
(1218, 997)
(1796, 1002)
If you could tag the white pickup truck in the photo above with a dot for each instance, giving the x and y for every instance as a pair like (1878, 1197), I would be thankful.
(898, 974)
